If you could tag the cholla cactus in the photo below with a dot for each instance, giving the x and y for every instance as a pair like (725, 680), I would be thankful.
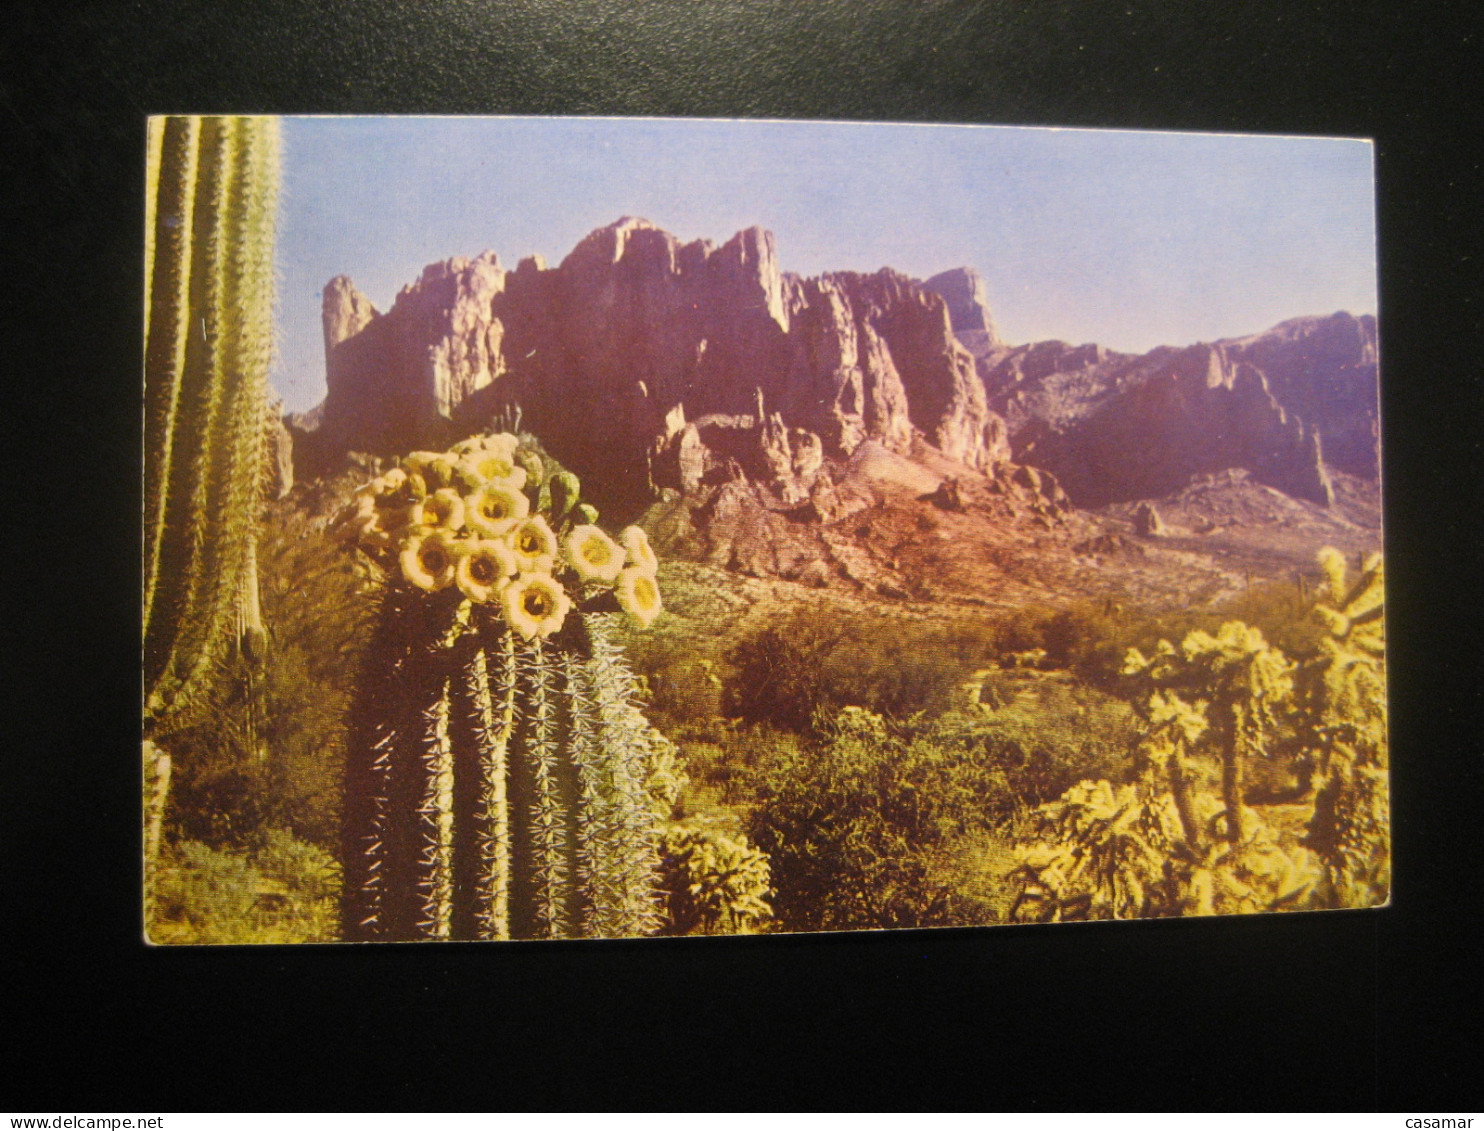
(1242, 682)
(1099, 852)
(498, 784)
(1344, 691)
(716, 884)
(1164, 846)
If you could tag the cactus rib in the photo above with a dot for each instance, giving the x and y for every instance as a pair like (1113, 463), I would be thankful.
(492, 729)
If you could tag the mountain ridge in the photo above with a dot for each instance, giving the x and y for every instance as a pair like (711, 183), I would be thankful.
(804, 428)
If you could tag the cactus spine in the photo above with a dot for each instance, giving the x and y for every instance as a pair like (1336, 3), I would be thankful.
(212, 198)
(498, 758)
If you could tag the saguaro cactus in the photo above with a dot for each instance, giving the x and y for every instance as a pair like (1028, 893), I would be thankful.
(210, 206)
(496, 781)
(212, 199)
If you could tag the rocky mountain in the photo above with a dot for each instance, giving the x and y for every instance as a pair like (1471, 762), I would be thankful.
(1287, 405)
(645, 364)
(867, 433)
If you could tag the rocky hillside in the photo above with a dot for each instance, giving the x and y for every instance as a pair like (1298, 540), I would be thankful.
(1287, 405)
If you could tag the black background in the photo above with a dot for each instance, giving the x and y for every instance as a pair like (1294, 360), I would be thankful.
(1332, 1011)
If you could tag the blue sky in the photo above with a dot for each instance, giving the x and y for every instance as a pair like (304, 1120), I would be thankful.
(1127, 239)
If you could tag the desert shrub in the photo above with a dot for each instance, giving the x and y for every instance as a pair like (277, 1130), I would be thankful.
(318, 626)
(712, 883)
(1281, 610)
(682, 681)
(980, 868)
(1045, 731)
(1084, 638)
(1020, 630)
(282, 890)
(222, 794)
(307, 871)
(710, 770)
(855, 826)
(748, 751)
(779, 676)
(1038, 771)
(1090, 638)
(899, 670)
(786, 676)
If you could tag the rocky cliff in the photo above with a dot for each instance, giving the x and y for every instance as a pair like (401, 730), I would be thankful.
(1286, 405)
(968, 308)
(645, 363)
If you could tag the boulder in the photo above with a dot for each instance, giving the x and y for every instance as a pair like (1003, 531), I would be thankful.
(1147, 523)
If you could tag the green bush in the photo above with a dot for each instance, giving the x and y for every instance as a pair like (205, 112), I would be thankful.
(780, 676)
(1090, 638)
(899, 669)
(855, 827)
(1045, 731)
(786, 676)
(270, 752)
(725, 773)
(283, 890)
(224, 795)
(318, 624)
(681, 679)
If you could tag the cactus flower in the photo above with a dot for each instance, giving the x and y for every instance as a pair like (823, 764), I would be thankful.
(443, 508)
(535, 605)
(501, 442)
(416, 463)
(639, 595)
(483, 569)
(492, 467)
(494, 509)
(594, 555)
(534, 544)
(428, 560)
(641, 554)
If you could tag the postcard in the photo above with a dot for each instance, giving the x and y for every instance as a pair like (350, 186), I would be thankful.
(600, 528)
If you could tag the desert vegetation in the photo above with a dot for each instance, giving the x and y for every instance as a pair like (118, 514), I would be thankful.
(842, 766)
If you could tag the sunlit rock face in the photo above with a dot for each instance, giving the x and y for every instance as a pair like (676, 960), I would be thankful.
(611, 353)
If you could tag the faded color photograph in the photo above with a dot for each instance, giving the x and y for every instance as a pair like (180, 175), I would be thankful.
(600, 528)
